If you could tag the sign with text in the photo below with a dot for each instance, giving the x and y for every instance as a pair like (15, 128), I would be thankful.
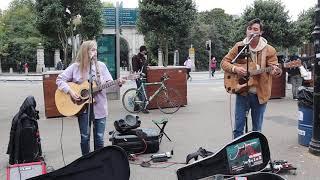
(127, 17)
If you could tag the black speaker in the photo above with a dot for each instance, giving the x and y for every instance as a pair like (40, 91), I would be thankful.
(128, 123)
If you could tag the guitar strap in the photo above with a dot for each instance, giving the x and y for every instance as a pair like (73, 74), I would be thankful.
(98, 80)
(263, 62)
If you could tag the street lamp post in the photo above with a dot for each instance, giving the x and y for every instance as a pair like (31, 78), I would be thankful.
(314, 146)
(208, 48)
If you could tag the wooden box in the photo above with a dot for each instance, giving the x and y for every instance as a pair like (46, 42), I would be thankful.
(49, 88)
(177, 81)
(278, 89)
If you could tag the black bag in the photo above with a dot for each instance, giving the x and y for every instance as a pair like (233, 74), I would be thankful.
(24, 144)
(110, 162)
(128, 123)
(141, 140)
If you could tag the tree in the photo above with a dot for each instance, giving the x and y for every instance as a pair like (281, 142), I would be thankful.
(18, 36)
(167, 20)
(219, 31)
(275, 19)
(56, 19)
(305, 25)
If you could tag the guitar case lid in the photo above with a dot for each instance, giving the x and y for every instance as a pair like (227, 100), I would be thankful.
(110, 162)
(245, 154)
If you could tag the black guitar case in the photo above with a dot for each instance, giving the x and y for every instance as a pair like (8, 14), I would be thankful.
(110, 162)
(247, 153)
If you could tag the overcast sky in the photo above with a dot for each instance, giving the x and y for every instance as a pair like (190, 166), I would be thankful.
(234, 7)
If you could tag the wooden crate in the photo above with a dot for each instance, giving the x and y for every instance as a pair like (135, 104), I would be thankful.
(278, 89)
(177, 81)
(49, 88)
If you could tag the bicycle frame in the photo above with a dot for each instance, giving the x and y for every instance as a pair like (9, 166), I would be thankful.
(143, 89)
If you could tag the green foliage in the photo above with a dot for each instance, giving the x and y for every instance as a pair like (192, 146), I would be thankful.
(278, 30)
(56, 23)
(168, 20)
(305, 25)
(18, 35)
(219, 27)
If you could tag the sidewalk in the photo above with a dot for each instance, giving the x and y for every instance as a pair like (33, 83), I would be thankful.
(21, 77)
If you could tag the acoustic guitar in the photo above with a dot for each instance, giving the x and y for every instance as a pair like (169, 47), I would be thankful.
(67, 106)
(234, 84)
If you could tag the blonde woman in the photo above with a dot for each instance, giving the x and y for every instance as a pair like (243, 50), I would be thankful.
(78, 72)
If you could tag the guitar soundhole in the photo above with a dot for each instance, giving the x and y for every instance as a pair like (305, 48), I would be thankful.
(84, 93)
(242, 80)
(228, 77)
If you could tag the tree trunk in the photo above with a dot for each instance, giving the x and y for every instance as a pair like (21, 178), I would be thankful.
(65, 55)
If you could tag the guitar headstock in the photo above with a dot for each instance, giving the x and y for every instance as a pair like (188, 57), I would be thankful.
(293, 64)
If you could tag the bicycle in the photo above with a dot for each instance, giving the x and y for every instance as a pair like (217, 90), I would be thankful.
(168, 100)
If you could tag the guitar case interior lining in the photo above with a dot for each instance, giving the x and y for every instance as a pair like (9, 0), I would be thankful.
(110, 162)
(247, 154)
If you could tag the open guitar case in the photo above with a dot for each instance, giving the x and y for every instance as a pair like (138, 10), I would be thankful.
(246, 156)
(110, 162)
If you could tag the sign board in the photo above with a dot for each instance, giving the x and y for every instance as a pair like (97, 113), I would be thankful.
(109, 17)
(127, 16)
(191, 51)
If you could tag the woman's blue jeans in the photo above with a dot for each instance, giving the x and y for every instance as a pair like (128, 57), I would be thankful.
(243, 105)
(98, 132)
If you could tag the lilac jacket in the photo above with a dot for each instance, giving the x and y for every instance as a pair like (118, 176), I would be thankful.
(73, 74)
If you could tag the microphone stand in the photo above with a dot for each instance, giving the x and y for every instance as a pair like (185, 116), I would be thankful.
(90, 105)
(245, 53)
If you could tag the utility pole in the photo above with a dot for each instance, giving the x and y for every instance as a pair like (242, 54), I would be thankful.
(314, 146)
(118, 44)
(208, 48)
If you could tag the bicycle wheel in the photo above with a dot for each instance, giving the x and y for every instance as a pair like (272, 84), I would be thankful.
(131, 100)
(169, 101)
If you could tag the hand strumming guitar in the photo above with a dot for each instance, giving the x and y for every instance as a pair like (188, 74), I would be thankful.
(74, 95)
(240, 70)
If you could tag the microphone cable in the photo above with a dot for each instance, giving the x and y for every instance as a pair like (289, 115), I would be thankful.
(61, 144)
(230, 115)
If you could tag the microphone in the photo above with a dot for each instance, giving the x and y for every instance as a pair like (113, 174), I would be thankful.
(252, 35)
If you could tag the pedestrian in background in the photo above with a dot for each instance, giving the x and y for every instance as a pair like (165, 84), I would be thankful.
(139, 64)
(26, 67)
(188, 64)
(213, 65)
(60, 65)
(294, 78)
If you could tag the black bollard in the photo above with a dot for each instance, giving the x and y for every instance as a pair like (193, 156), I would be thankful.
(314, 146)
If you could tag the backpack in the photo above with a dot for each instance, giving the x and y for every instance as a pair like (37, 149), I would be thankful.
(24, 143)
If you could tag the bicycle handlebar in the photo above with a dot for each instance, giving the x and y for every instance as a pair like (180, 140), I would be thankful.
(164, 77)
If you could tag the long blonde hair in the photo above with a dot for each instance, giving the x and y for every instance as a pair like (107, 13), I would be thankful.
(83, 56)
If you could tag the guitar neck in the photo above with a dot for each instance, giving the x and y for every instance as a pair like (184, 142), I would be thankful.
(105, 85)
(259, 71)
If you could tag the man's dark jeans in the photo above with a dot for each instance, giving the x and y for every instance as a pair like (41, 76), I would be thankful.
(139, 83)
